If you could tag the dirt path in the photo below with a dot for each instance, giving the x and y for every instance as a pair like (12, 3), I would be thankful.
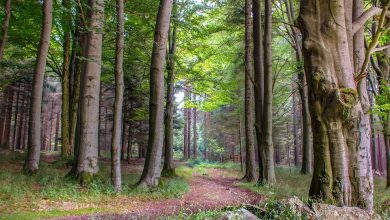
(206, 193)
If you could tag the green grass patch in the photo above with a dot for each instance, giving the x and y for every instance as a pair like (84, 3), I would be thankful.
(289, 182)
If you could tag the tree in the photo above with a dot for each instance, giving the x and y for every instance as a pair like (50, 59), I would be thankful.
(250, 171)
(65, 122)
(258, 79)
(302, 87)
(118, 105)
(151, 172)
(339, 124)
(267, 145)
(87, 165)
(34, 138)
(168, 168)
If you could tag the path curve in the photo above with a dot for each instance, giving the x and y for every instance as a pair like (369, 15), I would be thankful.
(206, 193)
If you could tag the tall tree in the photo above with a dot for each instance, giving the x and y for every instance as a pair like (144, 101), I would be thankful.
(340, 129)
(65, 120)
(151, 172)
(296, 40)
(258, 78)
(116, 177)
(3, 40)
(267, 145)
(34, 137)
(250, 174)
(168, 168)
(87, 165)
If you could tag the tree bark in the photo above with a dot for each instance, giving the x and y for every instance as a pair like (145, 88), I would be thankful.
(66, 149)
(16, 117)
(34, 137)
(258, 78)
(151, 173)
(116, 177)
(8, 117)
(250, 172)
(195, 138)
(3, 40)
(267, 145)
(89, 103)
(168, 168)
(339, 125)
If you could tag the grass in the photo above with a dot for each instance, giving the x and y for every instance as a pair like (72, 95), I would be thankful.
(50, 194)
(289, 183)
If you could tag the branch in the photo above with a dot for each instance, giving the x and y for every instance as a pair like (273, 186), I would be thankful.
(380, 48)
(367, 15)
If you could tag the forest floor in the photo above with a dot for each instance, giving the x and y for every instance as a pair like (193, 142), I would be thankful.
(201, 190)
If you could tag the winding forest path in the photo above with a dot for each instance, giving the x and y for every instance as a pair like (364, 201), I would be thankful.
(211, 192)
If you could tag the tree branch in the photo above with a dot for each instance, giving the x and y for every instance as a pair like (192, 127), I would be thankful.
(367, 15)
(377, 49)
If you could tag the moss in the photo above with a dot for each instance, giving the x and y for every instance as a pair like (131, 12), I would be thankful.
(347, 97)
(86, 178)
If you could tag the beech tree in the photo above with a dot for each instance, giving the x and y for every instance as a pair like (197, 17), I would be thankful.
(168, 167)
(34, 138)
(152, 172)
(118, 105)
(267, 145)
(250, 171)
(87, 165)
(341, 132)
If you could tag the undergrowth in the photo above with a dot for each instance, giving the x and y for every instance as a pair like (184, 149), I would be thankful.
(21, 194)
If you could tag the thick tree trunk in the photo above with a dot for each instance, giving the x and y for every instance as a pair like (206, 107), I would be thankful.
(250, 174)
(168, 168)
(87, 165)
(267, 145)
(258, 78)
(3, 40)
(66, 149)
(151, 173)
(34, 137)
(339, 125)
(116, 177)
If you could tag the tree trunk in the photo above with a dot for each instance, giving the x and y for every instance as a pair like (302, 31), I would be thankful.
(116, 177)
(250, 174)
(89, 103)
(8, 117)
(295, 124)
(34, 137)
(185, 132)
(76, 63)
(364, 182)
(168, 168)
(258, 78)
(195, 138)
(56, 138)
(16, 118)
(151, 173)
(339, 125)
(66, 149)
(3, 40)
(267, 145)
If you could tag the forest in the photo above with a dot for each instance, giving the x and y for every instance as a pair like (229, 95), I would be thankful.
(195, 109)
